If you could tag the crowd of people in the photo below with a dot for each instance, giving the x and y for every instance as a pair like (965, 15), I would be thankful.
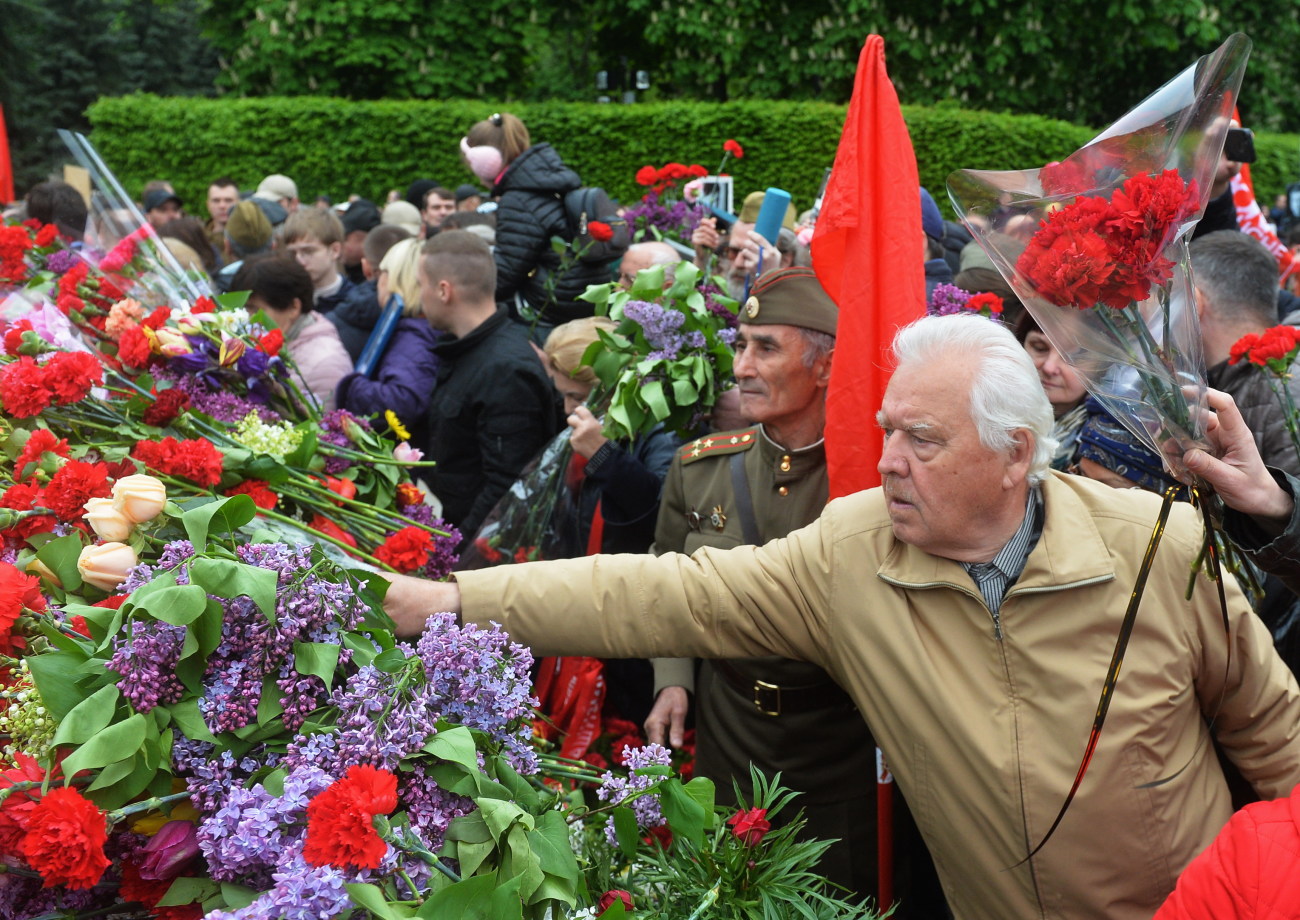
(960, 618)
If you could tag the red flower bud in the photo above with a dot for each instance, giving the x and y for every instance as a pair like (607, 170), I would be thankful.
(170, 850)
(600, 231)
(750, 826)
(608, 898)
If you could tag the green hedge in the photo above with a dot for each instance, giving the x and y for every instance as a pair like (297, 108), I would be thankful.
(338, 147)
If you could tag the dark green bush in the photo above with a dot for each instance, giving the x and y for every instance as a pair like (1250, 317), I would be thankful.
(338, 147)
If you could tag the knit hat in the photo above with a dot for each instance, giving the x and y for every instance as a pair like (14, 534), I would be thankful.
(361, 215)
(754, 203)
(416, 191)
(931, 219)
(403, 214)
(247, 228)
(790, 297)
(468, 191)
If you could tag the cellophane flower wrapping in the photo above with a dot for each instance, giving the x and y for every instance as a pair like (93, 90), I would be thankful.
(1106, 273)
(536, 518)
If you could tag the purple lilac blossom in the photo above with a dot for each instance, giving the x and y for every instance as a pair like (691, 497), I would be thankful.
(299, 892)
(481, 679)
(333, 430)
(210, 777)
(30, 901)
(614, 788)
(147, 658)
(660, 326)
(243, 841)
(946, 300)
(712, 302)
(61, 261)
(220, 404)
(678, 219)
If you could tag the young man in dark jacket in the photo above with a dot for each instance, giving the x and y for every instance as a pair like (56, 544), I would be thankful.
(494, 406)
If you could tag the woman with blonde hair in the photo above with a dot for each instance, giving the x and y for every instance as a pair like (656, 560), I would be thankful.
(404, 378)
(529, 182)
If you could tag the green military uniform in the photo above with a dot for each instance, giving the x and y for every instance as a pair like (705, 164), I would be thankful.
(782, 715)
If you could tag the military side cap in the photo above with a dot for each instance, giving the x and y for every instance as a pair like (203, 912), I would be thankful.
(790, 297)
(754, 203)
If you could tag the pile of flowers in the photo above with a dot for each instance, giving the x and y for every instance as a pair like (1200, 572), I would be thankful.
(948, 300)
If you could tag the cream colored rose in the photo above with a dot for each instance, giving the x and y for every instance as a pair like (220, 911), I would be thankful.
(106, 520)
(105, 565)
(140, 498)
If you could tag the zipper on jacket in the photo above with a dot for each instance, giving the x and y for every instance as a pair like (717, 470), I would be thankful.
(997, 623)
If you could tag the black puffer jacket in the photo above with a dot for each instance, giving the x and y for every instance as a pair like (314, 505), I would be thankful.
(530, 211)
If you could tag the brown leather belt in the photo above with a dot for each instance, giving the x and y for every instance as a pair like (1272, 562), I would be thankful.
(774, 700)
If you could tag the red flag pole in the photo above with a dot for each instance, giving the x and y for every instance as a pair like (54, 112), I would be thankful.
(6, 165)
(868, 253)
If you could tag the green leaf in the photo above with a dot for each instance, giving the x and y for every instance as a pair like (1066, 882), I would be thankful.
(60, 555)
(456, 745)
(269, 707)
(113, 773)
(371, 898)
(470, 828)
(107, 746)
(390, 661)
(89, 717)
(237, 896)
(186, 890)
(229, 579)
(550, 841)
(685, 815)
(625, 829)
(317, 659)
(226, 515)
(470, 899)
(179, 605)
(55, 676)
(306, 449)
(501, 815)
(685, 393)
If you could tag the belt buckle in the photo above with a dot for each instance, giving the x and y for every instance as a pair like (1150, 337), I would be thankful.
(767, 698)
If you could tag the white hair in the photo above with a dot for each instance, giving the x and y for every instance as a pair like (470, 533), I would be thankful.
(660, 253)
(1006, 393)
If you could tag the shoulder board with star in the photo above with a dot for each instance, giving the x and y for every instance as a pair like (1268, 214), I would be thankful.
(716, 445)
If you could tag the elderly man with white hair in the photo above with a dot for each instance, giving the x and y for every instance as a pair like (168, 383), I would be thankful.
(970, 607)
(640, 256)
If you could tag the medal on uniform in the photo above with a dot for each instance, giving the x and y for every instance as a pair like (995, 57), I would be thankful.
(718, 519)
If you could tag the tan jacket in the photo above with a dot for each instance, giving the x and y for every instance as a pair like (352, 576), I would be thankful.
(984, 734)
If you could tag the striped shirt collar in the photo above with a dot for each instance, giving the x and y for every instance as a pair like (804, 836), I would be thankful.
(995, 577)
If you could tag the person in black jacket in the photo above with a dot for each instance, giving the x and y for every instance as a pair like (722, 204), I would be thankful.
(494, 406)
(530, 181)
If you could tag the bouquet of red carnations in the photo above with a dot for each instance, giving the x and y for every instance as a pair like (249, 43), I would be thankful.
(1106, 271)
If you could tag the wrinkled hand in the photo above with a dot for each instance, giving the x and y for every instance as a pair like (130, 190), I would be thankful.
(1238, 473)
(668, 717)
(705, 238)
(410, 601)
(747, 259)
(586, 437)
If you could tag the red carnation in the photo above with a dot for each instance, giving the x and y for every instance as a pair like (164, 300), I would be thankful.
(272, 342)
(259, 491)
(16, 807)
(750, 826)
(733, 148)
(157, 319)
(487, 550)
(600, 231)
(73, 485)
(196, 460)
(696, 171)
(23, 388)
(204, 304)
(14, 335)
(46, 235)
(647, 175)
(340, 820)
(148, 893)
(406, 550)
(344, 488)
(609, 898)
(65, 840)
(18, 592)
(166, 406)
(324, 525)
(987, 304)
(71, 374)
(25, 497)
(133, 348)
(42, 441)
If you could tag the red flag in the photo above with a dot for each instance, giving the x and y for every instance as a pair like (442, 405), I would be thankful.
(6, 167)
(869, 256)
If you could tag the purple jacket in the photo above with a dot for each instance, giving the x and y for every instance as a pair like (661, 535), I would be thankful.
(403, 381)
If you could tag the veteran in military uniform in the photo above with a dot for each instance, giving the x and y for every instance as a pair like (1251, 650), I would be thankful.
(752, 486)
